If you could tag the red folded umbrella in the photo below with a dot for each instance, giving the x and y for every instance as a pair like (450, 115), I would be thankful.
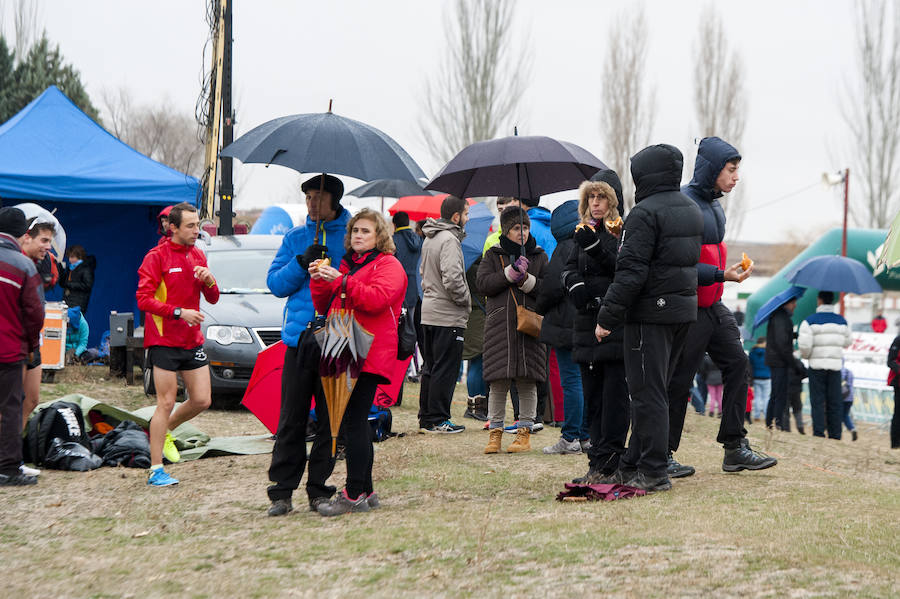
(419, 207)
(263, 394)
(386, 395)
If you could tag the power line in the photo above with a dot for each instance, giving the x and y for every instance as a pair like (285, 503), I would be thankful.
(784, 197)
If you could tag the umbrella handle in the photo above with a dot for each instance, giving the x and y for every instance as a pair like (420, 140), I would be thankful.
(333, 446)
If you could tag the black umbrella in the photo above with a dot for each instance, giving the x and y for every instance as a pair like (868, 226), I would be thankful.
(388, 188)
(325, 143)
(526, 167)
(522, 167)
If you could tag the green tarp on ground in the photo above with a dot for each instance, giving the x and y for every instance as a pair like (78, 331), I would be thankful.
(192, 443)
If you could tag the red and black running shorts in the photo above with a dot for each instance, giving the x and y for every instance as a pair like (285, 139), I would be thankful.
(177, 358)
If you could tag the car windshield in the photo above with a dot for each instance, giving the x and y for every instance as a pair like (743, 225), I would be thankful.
(241, 271)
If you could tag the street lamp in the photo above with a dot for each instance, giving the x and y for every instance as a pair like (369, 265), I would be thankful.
(830, 180)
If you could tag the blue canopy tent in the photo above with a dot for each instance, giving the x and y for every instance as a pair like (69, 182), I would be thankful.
(105, 194)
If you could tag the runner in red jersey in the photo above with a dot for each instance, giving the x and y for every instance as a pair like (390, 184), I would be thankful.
(171, 279)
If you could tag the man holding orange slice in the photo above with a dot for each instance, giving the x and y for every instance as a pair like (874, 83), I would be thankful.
(715, 330)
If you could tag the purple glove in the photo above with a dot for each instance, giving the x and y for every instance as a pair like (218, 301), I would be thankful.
(512, 275)
(521, 265)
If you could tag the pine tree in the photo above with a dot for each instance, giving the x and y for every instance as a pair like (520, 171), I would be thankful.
(41, 67)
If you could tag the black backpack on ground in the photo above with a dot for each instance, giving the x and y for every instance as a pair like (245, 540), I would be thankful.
(61, 420)
(125, 445)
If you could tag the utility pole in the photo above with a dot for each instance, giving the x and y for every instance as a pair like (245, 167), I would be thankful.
(226, 185)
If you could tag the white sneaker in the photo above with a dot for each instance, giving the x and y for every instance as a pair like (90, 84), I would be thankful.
(562, 447)
(29, 471)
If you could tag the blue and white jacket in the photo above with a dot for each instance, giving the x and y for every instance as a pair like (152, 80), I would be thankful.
(288, 279)
(823, 337)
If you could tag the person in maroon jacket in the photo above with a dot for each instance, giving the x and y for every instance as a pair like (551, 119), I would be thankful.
(375, 284)
(21, 320)
(171, 279)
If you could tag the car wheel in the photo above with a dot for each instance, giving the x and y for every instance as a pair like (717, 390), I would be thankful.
(226, 401)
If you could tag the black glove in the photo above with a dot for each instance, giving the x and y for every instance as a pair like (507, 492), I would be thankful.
(586, 237)
(314, 252)
(578, 294)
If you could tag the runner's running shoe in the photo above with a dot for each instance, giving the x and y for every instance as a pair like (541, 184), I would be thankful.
(170, 452)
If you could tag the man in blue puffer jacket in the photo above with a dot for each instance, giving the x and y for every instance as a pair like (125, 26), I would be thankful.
(289, 277)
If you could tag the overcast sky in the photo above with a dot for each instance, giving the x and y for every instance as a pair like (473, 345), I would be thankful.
(372, 58)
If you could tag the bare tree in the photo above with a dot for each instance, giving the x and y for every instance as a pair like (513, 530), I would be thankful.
(871, 111)
(159, 131)
(26, 17)
(720, 100)
(476, 92)
(626, 118)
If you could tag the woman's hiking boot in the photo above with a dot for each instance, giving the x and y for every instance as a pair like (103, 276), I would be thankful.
(522, 441)
(493, 445)
(476, 407)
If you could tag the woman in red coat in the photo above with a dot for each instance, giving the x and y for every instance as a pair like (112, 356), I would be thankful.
(375, 288)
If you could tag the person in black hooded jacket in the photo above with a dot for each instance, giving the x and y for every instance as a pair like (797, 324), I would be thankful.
(79, 279)
(715, 331)
(654, 292)
(556, 331)
(589, 273)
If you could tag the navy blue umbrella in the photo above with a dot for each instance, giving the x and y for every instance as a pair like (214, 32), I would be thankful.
(325, 143)
(521, 167)
(777, 300)
(834, 273)
(388, 188)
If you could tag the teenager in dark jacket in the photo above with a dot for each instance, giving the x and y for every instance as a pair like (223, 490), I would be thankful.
(589, 273)
(79, 280)
(715, 331)
(654, 293)
(556, 330)
(779, 359)
(507, 279)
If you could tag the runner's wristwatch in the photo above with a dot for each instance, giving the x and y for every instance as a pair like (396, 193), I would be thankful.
(177, 313)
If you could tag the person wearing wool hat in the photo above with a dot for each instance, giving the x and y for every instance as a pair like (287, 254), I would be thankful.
(511, 274)
(321, 236)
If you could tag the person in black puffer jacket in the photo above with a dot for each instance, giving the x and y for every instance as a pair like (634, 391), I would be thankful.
(589, 274)
(556, 330)
(78, 281)
(654, 292)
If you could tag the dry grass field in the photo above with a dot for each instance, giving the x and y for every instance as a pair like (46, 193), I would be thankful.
(825, 522)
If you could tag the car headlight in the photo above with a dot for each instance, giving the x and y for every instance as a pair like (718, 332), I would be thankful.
(224, 335)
